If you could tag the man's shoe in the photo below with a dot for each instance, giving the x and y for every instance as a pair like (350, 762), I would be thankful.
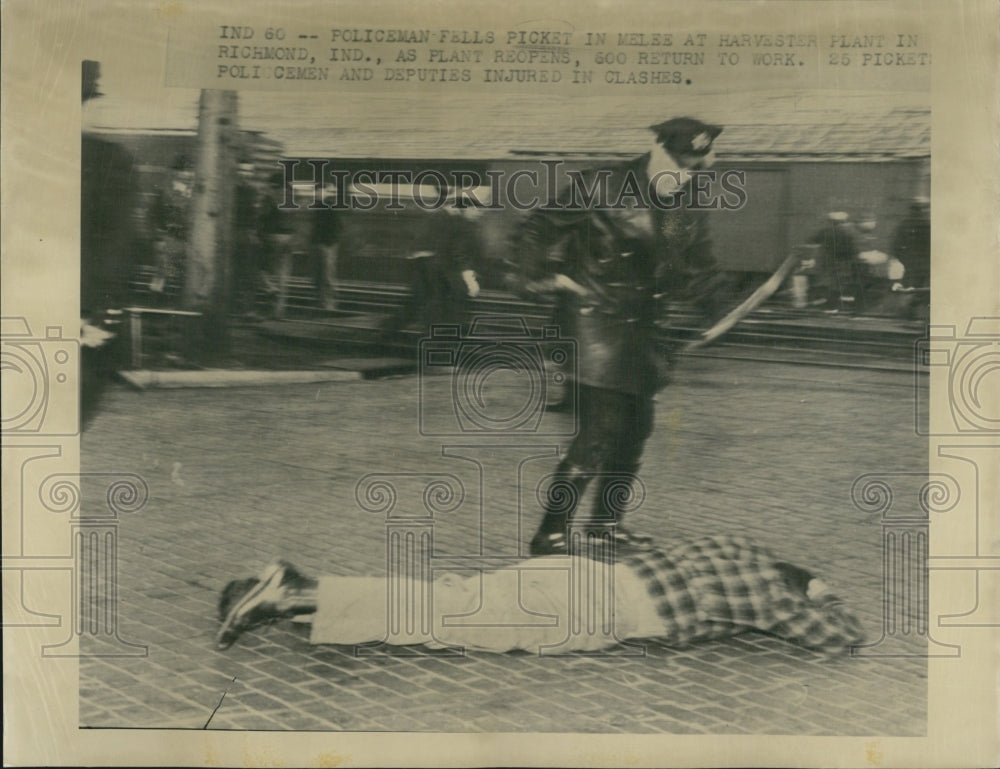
(234, 592)
(548, 544)
(258, 604)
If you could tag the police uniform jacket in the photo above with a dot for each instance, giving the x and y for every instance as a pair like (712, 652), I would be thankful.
(630, 256)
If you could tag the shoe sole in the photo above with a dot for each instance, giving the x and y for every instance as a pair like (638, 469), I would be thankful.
(228, 633)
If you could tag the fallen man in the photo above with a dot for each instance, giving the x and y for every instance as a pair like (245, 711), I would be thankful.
(708, 588)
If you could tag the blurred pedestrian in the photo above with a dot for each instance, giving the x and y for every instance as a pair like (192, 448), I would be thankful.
(912, 243)
(912, 246)
(838, 280)
(879, 270)
(614, 264)
(444, 257)
(108, 243)
(327, 226)
(282, 234)
(710, 588)
(246, 244)
(169, 217)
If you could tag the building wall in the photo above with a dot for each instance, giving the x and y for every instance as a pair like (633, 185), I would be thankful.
(885, 189)
(786, 203)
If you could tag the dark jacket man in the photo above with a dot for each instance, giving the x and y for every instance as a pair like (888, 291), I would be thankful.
(444, 254)
(840, 273)
(616, 246)
(911, 244)
(627, 259)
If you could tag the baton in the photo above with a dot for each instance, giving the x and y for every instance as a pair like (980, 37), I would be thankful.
(748, 305)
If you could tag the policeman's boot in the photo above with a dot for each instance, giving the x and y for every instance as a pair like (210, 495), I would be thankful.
(567, 401)
(561, 501)
(617, 495)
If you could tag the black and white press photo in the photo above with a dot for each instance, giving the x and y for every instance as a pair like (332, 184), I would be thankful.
(451, 382)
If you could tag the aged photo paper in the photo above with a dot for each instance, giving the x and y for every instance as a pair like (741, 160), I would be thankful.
(302, 281)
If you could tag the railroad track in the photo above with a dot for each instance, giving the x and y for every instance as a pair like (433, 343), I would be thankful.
(863, 342)
(769, 334)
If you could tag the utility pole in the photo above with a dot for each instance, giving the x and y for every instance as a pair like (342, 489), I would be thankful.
(208, 273)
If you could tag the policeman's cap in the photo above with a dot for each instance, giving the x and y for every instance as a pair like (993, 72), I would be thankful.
(686, 136)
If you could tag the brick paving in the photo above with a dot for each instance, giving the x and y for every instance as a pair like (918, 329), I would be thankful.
(240, 476)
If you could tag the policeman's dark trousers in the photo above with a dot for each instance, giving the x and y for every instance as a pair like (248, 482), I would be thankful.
(613, 428)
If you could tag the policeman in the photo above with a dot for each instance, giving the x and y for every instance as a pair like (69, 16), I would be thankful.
(613, 262)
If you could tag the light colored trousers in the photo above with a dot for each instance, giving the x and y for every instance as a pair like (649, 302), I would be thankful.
(560, 603)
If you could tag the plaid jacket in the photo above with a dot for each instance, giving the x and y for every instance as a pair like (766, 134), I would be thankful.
(718, 586)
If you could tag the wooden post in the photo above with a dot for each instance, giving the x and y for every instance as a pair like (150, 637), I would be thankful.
(208, 273)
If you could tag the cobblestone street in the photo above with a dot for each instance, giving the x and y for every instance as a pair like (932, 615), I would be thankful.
(240, 476)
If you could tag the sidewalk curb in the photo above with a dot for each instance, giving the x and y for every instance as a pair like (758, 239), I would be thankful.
(145, 380)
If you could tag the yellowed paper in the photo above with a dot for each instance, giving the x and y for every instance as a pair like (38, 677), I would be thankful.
(479, 83)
